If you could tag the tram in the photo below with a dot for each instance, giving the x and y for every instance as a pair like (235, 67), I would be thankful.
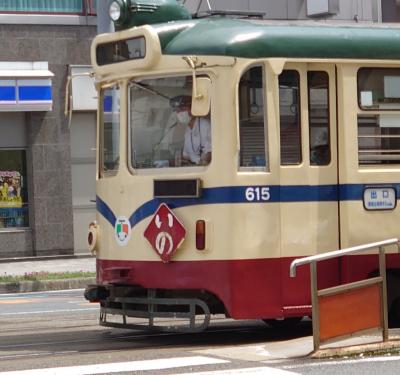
(228, 146)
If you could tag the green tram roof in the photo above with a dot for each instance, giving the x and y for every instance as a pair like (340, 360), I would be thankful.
(257, 39)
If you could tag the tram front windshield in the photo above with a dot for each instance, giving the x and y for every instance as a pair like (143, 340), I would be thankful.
(157, 136)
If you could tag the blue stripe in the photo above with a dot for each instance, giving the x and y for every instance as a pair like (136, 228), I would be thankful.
(354, 192)
(237, 194)
(106, 211)
(38, 93)
(7, 93)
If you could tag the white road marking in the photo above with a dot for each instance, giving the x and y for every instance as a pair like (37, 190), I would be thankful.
(36, 354)
(155, 364)
(247, 371)
(255, 353)
(24, 294)
(344, 362)
(48, 311)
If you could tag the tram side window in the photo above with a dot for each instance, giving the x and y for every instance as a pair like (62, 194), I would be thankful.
(379, 132)
(318, 109)
(289, 106)
(251, 119)
(110, 131)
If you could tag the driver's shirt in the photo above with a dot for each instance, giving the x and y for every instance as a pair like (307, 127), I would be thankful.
(197, 140)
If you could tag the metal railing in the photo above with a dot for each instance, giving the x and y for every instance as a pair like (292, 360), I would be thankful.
(324, 293)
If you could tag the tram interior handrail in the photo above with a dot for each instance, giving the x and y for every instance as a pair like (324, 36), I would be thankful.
(339, 253)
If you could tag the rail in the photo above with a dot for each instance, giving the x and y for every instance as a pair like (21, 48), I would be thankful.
(344, 329)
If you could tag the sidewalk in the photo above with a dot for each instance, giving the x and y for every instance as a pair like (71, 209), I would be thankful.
(20, 266)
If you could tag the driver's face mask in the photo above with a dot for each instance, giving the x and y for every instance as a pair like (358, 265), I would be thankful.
(183, 117)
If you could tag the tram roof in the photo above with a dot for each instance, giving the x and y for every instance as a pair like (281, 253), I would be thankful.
(258, 39)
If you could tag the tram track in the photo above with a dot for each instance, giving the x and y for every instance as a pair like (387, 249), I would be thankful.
(61, 324)
(127, 338)
(107, 341)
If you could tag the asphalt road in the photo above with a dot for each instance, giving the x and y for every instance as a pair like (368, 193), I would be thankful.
(58, 333)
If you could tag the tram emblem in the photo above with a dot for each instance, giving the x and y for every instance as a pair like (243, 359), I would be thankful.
(165, 233)
(122, 230)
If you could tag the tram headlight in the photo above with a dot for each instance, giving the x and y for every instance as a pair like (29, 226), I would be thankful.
(92, 236)
(118, 11)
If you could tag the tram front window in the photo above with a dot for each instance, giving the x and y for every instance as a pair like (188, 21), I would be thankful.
(163, 132)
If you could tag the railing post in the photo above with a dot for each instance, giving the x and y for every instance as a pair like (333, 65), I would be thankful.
(315, 294)
(314, 303)
(382, 272)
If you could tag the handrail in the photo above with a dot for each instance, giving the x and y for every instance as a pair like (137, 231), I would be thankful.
(315, 293)
(337, 253)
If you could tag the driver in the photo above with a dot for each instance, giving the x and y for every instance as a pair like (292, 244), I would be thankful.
(197, 143)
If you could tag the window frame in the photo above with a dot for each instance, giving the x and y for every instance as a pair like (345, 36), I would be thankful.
(365, 113)
(299, 124)
(261, 168)
(102, 173)
(169, 169)
(366, 109)
(313, 164)
(26, 204)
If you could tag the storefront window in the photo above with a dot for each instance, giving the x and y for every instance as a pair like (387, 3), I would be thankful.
(13, 189)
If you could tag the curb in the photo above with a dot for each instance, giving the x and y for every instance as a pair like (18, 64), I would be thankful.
(380, 348)
(45, 285)
(45, 258)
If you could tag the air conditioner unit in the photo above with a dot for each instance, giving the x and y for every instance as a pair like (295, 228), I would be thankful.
(318, 8)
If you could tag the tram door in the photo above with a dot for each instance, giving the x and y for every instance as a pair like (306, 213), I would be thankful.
(308, 174)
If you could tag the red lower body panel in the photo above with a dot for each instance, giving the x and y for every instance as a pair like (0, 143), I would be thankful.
(249, 289)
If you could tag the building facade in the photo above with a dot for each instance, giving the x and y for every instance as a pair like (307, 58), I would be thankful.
(329, 10)
(39, 43)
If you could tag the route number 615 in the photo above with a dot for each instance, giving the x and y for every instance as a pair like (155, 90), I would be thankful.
(258, 194)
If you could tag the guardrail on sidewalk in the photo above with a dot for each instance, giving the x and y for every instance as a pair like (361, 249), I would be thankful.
(333, 308)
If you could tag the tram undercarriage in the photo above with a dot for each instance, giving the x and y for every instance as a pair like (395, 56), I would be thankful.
(165, 310)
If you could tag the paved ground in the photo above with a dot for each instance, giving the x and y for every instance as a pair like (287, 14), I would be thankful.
(48, 264)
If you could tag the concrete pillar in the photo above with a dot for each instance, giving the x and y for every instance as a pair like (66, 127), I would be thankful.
(104, 23)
